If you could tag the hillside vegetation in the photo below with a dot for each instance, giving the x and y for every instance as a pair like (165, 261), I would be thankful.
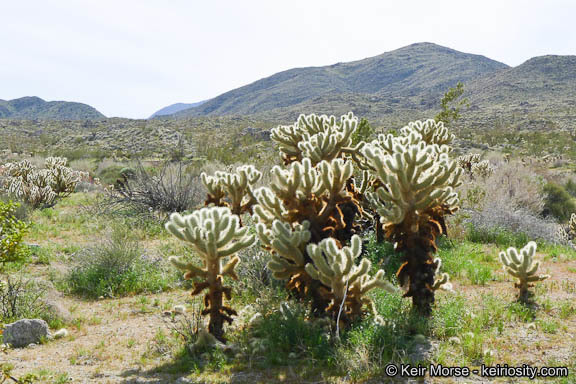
(36, 108)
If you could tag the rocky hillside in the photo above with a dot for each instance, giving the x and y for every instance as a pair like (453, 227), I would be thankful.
(540, 93)
(422, 70)
(36, 108)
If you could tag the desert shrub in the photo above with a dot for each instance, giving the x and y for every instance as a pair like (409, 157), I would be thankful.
(558, 202)
(171, 189)
(570, 187)
(117, 267)
(19, 299)
(285, 335)
(12, 231)
(501, 224)
(109, 175)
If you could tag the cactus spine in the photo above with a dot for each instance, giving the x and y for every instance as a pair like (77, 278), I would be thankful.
(522, 266)
(215, 234)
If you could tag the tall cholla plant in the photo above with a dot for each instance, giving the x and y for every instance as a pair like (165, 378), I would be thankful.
(416, 191)
(216, 236)
(522, 266)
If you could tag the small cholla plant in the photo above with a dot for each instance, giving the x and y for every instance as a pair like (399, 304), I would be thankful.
(522, 266)
(416, 181)
(233, 190)
(40, 187)
(474, 167)
(567, 233)
(349, 283)
(216, 236)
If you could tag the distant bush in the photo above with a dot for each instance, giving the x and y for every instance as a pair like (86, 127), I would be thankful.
(117, 267)
(12, 230)
(507, 203)
(171, 189)
(570, 187)
(21, 299)
(558, 202)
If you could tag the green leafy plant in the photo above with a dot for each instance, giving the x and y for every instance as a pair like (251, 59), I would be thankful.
(12, 232)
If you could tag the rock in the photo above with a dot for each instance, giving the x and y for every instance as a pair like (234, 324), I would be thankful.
(57, 310)
(24, 332)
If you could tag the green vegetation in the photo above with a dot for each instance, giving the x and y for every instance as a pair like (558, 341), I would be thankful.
(12, 231)
(116, 267)
(36, 108)
(558, 203)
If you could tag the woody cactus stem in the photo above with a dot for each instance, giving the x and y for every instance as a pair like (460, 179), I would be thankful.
(215, 234)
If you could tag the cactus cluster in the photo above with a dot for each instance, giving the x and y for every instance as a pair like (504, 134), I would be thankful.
(474, 167)
(40, 187)
(216, 236)
(522, 266)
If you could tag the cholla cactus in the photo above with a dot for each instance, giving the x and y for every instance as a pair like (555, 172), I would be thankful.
(305, 204)
(317, 138)
(348, 283)
(432, 132)
(482, 169)
(234, 187)
(572, 225)
(41, 187)
(416, 193)
(466, 162)
(215, 234)
(523, 267)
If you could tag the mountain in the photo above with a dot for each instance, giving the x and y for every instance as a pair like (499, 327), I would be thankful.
(418, 74)
(32, 107)
(539, 93)
(171, 109)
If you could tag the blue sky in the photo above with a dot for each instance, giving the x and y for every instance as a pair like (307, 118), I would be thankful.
(129, 58)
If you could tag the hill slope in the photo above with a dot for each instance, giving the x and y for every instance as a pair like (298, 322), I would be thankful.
(540, 93)
(171, 109)
(422, 69)
(35, 108)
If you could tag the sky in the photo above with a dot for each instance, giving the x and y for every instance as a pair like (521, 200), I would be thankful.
(129, 58)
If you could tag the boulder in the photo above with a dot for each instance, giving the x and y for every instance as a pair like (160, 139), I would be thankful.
(25, 332)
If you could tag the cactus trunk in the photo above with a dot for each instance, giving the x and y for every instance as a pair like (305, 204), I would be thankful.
(418, 273)
(215, 291)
